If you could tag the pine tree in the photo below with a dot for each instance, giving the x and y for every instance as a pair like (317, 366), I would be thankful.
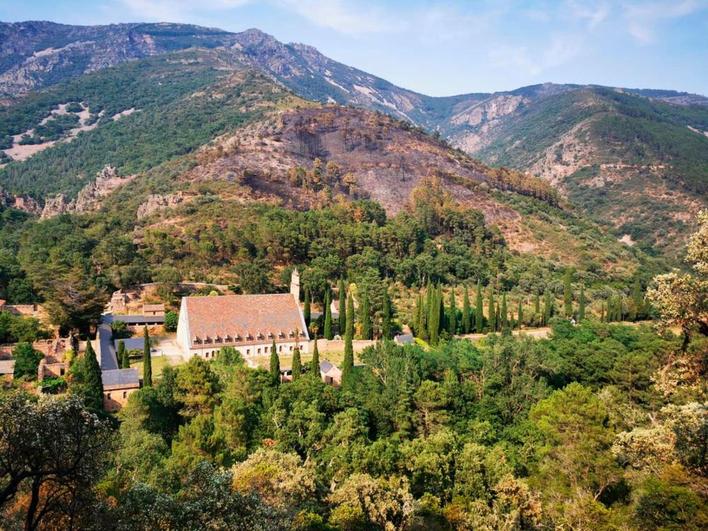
(147, 359)
(581, 303)
(93, 383)
(315, 362)
(386, 317)
(504, 313)
(466, 313)
(307, 310)
(274, 364)
(492, 311)
(452, 315)
(479, 310)
(297, 364)
(568, 293)
(328, 333)
(520, 315)
(366, 326)
(348, 363)
(342, 306)
(122, 356)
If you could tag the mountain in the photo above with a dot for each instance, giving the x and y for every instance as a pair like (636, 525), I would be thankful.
(147, 140)
(634, 159)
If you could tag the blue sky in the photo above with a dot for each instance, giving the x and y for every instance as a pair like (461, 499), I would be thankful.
(451, 47)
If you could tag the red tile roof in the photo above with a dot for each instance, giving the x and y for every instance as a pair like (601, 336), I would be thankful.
(244, 319)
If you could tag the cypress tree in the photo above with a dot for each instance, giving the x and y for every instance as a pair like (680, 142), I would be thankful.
(307, 310)
(386, 318)
(537, 309)
(492, 312)
(147, 359)
(328, 333)
(297, 364)
(93, 381)
(452, 317)
(547, 310)
(520, 315)
(122, 356)
(581, 303)
(434, 319)
(568, 293)
(366, 327)
(504, 313)
(497, 318)
(315, 362)
(348, 363)
(418, 319)
(440, 305)
(466, 313)
(479, 310)
(274, 364)
(636, 307)
(342, 307)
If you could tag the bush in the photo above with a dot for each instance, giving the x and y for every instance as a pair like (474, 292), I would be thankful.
(53, 385)
(171, 319)
(26, 361)
(120, 330)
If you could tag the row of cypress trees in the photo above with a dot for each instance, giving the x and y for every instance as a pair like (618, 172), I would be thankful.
(366, 314)
(432, 317)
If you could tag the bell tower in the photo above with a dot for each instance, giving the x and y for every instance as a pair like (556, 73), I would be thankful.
(295, 284)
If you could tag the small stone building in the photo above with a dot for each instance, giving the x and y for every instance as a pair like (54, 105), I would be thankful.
(330, 373)
(248, 323)
(118, 385)
(155, 310)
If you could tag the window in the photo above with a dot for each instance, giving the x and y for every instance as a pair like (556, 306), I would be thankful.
(62, 371)
(259, 350)
(125, 394)
(291, 348)
(248, 351)
(108, 396)
(280, 348)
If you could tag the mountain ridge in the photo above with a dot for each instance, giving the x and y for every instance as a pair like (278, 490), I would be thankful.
(566, 133)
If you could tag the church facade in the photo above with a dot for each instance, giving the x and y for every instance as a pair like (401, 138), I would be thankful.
(248, 323)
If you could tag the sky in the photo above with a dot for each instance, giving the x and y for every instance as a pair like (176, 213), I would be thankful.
(454, 46)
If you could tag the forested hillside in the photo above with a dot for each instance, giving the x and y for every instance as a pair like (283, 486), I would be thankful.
(632, 159)
(552, 377)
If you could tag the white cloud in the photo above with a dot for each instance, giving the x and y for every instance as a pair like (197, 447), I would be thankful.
(559, 50)
(643, 18)
(344, 16)
(593, 13)
(178, 10)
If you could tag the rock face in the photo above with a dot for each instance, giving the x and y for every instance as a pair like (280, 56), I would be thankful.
(155, 203)
(89, 198)
(36, 54)
(20, 202)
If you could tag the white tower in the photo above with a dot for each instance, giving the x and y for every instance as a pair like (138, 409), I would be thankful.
(295, 284)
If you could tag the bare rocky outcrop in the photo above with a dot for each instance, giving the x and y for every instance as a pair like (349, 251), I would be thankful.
(20, 202)
(89, 197)
(156, 202)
